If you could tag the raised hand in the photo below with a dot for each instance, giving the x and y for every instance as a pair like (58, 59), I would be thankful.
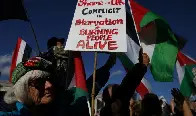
(143, 58)
(178, 97)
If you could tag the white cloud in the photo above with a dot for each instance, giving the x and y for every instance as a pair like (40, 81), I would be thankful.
(5, 62)
(116, 73)
(5, 71)
(5, 59)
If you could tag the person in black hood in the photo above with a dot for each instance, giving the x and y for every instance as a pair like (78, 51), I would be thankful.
(54, 41)
(62, 61)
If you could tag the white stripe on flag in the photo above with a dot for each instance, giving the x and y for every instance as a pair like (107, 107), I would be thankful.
(21, 52)
(133, 54)
(180, 72)
(73, 82)
(132, 50)
(147, 85)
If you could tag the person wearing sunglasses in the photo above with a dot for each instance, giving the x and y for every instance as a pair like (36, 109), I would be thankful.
(32, 88)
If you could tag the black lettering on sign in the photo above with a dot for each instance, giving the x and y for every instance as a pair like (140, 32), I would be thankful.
(87, 11)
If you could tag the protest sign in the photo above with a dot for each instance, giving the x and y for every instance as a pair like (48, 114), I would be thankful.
(98, 25)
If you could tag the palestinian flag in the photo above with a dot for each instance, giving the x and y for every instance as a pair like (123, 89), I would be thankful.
(131, 57)
(186, 70)
(12, 9)
(157, 40)
(21, 53)
(78, 86)
(144, 87)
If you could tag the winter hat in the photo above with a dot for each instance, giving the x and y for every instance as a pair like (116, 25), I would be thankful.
(35, 63)
(52, 41)
(36, 67)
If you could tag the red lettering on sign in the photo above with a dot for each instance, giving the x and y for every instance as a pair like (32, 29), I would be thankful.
(86, 3)
(81, 43)
(102, 46)
(109, 37)
(99, 37)
(88, 46)
(117, 2)
(112, 45)
(96, 45)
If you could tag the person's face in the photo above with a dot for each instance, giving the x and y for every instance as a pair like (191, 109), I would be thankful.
(59, 44)
(41, 91)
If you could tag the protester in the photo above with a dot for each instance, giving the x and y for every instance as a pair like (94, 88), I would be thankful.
(54, 41)
(37, 89)
(32, 90)
(181, 106)
(151, 105)
(102, 75)
(192, 102)
(62, 61)
(135, 107)
(65, 104)
(117, 97)
(165, 106)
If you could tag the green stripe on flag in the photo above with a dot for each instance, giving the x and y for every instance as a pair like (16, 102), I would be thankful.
(78, 93)
(164, 55)
(186, 85)
(149, 17)
(127, 63)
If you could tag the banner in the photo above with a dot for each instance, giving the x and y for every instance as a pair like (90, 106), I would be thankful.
(98, 25)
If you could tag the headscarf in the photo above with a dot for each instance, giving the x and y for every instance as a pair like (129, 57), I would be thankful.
(36, 67)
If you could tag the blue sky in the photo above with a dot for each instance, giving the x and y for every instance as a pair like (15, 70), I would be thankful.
(53, 18)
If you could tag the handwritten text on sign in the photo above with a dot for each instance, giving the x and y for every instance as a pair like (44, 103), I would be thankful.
(98, 25)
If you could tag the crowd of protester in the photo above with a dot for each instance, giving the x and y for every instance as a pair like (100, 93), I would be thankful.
(36, 91)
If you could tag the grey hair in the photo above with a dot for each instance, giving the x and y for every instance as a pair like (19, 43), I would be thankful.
(19, 92)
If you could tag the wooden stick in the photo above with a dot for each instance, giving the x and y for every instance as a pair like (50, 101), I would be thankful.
(93, 88)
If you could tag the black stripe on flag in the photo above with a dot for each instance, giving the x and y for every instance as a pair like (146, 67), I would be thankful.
(12, 9)
(130, 28)
(27, 53)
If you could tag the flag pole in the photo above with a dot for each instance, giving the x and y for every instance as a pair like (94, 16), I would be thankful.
(35, 37)
(31, 26)
(93, 88)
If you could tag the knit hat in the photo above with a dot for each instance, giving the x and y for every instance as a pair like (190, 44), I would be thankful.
(33, 68)
(35, 63)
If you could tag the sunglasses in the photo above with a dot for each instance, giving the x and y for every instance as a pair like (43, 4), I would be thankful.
(39, 82)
